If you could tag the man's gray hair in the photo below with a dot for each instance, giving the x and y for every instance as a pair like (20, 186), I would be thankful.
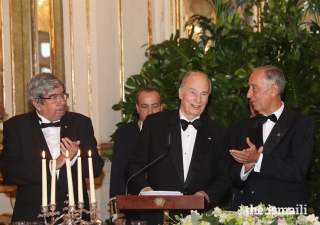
(274, 75)
(39, 86)
(183, 82)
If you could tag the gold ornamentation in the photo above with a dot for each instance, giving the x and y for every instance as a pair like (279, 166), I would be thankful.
(159, 201)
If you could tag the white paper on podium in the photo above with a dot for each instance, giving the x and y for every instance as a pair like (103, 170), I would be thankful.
(161, 193)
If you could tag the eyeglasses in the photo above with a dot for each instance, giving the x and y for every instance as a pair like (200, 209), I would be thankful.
(55, 98)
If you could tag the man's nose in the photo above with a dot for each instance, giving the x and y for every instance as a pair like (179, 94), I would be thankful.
(249, 94)
(198, 98)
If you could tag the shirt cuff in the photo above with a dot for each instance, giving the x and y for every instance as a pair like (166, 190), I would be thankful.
(244, 176)
(257, 166)
(117, 215)
(74, 160)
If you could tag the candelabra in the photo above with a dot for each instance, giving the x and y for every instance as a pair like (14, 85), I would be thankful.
(72, 216)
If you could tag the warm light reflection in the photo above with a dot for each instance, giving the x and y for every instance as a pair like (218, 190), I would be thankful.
(43, 154)
(89, 153)
(67, 154)
(79, 152)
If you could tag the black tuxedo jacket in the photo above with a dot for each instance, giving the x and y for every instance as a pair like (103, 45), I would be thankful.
(20, 161)
(286, 159)
(123, 143)
(209, 167)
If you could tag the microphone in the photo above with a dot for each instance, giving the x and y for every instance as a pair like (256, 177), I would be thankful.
(150, 164)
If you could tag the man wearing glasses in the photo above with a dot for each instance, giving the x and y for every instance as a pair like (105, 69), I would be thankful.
(50, 128)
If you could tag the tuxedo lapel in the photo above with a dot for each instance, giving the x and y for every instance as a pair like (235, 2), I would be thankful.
(64, 130)
(255, 134)
(277, 133)
(175, 151)
(40, 141)
(201, 147)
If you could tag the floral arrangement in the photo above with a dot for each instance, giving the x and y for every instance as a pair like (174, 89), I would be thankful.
(259, 215)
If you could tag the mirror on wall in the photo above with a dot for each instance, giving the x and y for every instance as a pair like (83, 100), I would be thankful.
(37, 44)
(3, 114)
(43, 28)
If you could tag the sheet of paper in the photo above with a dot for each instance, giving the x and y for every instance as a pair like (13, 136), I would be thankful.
(161, 193)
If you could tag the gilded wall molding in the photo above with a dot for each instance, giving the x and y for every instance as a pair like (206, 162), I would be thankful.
(121, 57)
(72, 55)
(89, 58)
(149, 23)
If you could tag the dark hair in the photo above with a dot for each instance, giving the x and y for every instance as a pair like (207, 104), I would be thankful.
(183, 82)
(148, 89)
(39, 86)
(275, 75)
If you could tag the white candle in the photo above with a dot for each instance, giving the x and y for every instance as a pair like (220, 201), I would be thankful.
(44, 180)
(53, 180)
(69, 178)
(80, 190)
(91, 179)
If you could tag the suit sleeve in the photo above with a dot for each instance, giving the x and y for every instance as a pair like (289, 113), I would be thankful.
(117, 182)
(295, 166)
(234, 143)
(137, 160)
(15, 169)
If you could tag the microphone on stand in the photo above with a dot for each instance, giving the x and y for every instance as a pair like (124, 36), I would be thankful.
(150, 164)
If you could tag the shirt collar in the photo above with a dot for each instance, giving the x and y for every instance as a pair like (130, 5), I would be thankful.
(44, 120)
(182, 117)
(278, 112)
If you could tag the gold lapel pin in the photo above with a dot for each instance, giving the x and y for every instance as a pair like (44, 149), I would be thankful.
(209, 138)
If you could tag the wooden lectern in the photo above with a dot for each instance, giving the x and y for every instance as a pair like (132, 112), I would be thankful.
(161, 203)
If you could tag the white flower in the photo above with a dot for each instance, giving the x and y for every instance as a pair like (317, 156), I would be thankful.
(259, 215)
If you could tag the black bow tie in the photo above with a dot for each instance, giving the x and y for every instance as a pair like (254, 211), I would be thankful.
(196, 123)
(55, 124)
(262, 119)
(45, 125)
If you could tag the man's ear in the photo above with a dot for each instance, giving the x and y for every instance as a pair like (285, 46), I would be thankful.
(137, 107)
(274, 89)
(180, 93)
(36, 104)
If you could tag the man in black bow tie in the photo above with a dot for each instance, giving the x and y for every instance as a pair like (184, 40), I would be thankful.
(198, 160)
(272, 151)
(49, 128)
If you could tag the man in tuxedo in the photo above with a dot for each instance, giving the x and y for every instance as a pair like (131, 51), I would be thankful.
(273, 150)
(148, 101)
(49, 128)
(194, 149)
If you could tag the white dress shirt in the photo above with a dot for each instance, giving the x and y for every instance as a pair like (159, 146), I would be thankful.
(266, 130)
(188, 138)
(52, 136)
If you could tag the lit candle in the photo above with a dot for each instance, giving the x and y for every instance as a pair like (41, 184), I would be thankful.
(69, 178)
(91, 179)
(80, 190)
(53, 180)
(44, 180)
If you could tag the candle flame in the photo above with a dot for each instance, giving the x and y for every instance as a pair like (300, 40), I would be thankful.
(67, 154)
(43, 154)
(89, 153)
(78, 152)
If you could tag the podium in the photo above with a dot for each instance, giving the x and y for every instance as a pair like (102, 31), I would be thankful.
(161, 203)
